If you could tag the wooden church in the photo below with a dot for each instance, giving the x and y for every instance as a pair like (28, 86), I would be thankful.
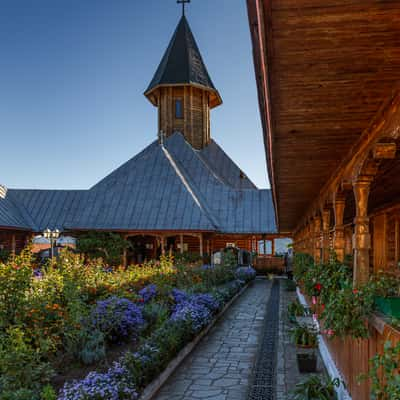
(181, 193)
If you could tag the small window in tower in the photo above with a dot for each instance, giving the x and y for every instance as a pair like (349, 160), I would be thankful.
(178, 109)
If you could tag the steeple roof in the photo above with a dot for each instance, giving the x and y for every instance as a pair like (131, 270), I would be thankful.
(182, 64)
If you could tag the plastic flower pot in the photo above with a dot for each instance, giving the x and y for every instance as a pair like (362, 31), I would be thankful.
(307, 362)
(388, 305)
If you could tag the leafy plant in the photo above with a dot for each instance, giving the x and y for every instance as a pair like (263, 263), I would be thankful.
(303, 336)
(384, 373)
(296, 309)
(109, 246)
(86, 345)
(346, 312)
(385, 285)
(301, 263)
(290, 286)
(315, 388)
(21, 366)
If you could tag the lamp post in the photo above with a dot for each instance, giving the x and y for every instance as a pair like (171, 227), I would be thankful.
(52, 236)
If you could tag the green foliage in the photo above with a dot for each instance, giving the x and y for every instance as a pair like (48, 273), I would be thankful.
(301, 263)
(21, 367)
(187, 257)
(347, 311)
(304, 336)
(229, 259)
(385, 285)
(315, 388)
(106, 245)
(296, 309)
(86, 345)
(384, 373)
(43, 315)
(48, 393)
(15, 278)
(156, 314)
(4, 255)
(290, 286)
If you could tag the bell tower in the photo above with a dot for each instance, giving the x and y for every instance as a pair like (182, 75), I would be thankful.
(183, 91)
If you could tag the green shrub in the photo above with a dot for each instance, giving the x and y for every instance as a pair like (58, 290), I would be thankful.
(385, 386)
(301, 263)
(21, 366)
(86, 345)
(315, 388)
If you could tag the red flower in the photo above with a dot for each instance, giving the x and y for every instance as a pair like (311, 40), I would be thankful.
(318, 287)
(355, 291)
(322, 307)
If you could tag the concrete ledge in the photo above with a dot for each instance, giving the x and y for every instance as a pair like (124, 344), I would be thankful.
(330, 366)
(151, 390)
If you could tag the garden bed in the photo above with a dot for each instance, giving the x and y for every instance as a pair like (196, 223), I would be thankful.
(155, 386)
(115, 330)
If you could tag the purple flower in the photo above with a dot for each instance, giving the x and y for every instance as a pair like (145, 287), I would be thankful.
(111, 385)
(245, 273)
(179, 295)
(148, 292)
(117, 318)
(196, 308)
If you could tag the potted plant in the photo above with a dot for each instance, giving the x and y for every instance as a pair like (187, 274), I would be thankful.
(305, 337)
(387, 295)
(295, 309)
(315, 388)
(307, 362)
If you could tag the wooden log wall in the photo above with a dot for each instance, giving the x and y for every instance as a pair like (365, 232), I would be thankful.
(195, 122)
(9, 239)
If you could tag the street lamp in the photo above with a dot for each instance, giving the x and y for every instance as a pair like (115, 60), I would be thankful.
(52, 236)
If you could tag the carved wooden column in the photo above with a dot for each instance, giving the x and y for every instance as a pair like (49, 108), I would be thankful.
(317, 240)
(326, 218)
(361, 236)
(181, 243)
(339, 243)
(201, 244)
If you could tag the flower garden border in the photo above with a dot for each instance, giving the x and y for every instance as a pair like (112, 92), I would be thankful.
(154, 387)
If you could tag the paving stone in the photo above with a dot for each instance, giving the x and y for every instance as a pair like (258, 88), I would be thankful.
(220, 367)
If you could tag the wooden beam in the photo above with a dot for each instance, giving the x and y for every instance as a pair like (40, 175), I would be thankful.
(384, 151)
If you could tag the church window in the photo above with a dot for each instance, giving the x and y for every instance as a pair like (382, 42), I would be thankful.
(178, 109)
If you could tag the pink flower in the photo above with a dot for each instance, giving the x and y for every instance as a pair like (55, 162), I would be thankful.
(314, 300)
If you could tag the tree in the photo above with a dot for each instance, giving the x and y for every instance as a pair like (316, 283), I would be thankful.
(107, 245)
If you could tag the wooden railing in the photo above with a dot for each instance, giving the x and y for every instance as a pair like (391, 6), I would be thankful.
(352, 356)
(266, 264)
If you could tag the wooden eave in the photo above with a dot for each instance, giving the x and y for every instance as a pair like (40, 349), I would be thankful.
(215, 97)
(324, 68)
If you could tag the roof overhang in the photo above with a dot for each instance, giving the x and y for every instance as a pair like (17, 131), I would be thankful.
(215, 97)
(323, 69)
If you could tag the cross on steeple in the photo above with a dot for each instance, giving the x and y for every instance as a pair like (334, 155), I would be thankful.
(183, 2)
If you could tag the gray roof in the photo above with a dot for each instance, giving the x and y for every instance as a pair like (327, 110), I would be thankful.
(182, 62)
(10, 216)
(170, 187)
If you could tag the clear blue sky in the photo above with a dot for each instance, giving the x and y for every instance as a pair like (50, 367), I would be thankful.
(72, 77)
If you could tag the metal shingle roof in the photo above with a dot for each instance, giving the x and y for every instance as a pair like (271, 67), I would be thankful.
(170, 187)
(10, 216)
(182, 62)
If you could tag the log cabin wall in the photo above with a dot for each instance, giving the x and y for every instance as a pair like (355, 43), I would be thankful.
(13, 240)
(194, 123)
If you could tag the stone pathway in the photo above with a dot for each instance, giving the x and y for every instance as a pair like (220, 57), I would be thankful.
(220, 368)
(288, 374)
